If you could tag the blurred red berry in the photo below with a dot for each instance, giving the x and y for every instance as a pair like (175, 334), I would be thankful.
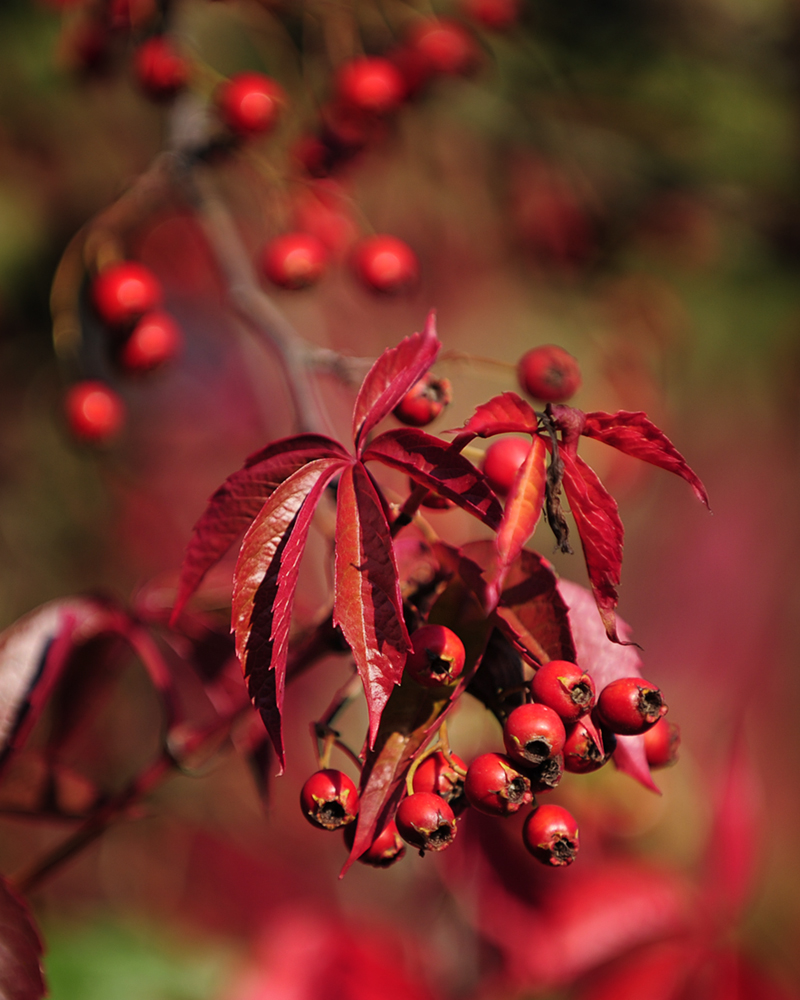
(565, 688)
(294, 260)
(444, 47)
(495, 785)
(551, 835)
(329, 799)
(160, 70)
(549, 373)
(437, 657)
(424, 401)
(385, 264)
(426, 821)
(533, 733)
(155, 339)
(661, 744)
(124, 292)
(370, 85)
(630, 706)
(502, 462)
(493, 14)
(384, 850)
(251, 103)
(437, 775)
(94, 412)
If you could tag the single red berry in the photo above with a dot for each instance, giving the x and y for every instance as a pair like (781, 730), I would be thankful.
(546, 775)
(294, 260)
(437, 657)
(94, 412)
(251, 103)
(497, 15)
(630, 705)
(661, 744)
(155, 339)
(329, 799)
(444, 47)
(549, 373)
(124, 292)
(424, 401)
(432, 500)
(551, 835)
(502, 462)
(160, 69)
(426, 821)
(436, 774)
(582, 753)
(533, 733)
(565, 688)
(495, 785)
(385, 264)
(370, 85)
(384, 850)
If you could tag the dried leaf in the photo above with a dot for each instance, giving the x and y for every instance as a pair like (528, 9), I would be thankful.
(21, 974)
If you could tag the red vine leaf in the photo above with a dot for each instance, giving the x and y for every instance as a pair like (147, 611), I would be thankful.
(264, 584)
(503, 414)
(634, 434)
(367, 603)
(390, 378)
(21, 974)
(441, 468)
(237, 502)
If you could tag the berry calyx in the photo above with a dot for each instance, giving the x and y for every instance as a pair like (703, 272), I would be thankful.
(565, 688)
(385, 264)
(329, 799)
(384, 850)
(547, 775)
(294, 260)
(370, 85)
(251, 103)
(502, 462)
(533, 733)
(661, 744)
(549, 373)
(124, 292)
(160, 70)
(437, 657)
(582, 753)
(437, 775)
(426, 821)
(95, 413)
(495, 785)
(424, 401)
(550, 834)
(630, 706)
(155, 339)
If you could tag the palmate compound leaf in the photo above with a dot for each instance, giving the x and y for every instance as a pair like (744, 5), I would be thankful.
(21, 976)
(264, 585)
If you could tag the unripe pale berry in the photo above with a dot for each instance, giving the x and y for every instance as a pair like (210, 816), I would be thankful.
(370, 85)
(95, 413)
(549, 373)
(154, 340)
(294, 260)
(630, 706)
(329, 799)
(437, 657)
(565, 688)
(502, 462)
(124, 292)
(495, 785)
(436, 774)
(385, 264)
(160, 70)
(551, 835)
(426, 821)
(533, 733)
(424, 401)
(661, 744)
(251, 103)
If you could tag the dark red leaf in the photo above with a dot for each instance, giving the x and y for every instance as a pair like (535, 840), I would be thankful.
(503, 414)
(264, 584)
(634, 434)
(390, 378)
(21, 974)
(237, 502)
(441, 468)
(367, 603)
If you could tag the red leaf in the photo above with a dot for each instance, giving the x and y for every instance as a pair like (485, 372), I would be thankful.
(501, 415)
(440, 467)
(601, 532)
(367, 603)
(21, 975)
(634, 434)
(264, 584)
(390, 378)
(237, 502)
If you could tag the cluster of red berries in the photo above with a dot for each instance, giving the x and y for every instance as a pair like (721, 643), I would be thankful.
(565, 727)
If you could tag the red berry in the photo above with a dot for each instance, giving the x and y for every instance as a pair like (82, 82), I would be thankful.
(432, 500)
(546, 775)
(385, 264)
(495, 785)
(494, 14)
(437, 657)
(565, 688)
(533, 733)
(661, 744)
(630, 705)
(94, 412)
(160, 70)
(294, 260)
(444, 47)
(329, 799)
(582, 753)
(436, 774)
(370, 85)
(384, 850)
(549, 373)
(502, 462)
(251, 103)
(124, 292)
(424, 401)
(426, 821)
(551, 835)
(155, 339)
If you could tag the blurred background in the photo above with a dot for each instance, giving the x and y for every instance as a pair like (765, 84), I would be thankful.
(620, 178)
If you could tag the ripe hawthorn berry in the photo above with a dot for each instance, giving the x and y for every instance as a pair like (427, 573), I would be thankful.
(124, 292)
(551, 835)
(154, 340)
(250, 103)
(549, 373)
(437, 657)
(533, 733)
(384, 850)
(294, 260)
(661, 744)
(495, 785)
(582, 753)
(443, 47)
(160, 70)
(502, 462)
(565, 688)
(95, 413)
(436, 774)
(329, 799)
(426, 821)
(370, 85)
(385, 264)
(424, 401)
(496, 15)
(630, 706)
